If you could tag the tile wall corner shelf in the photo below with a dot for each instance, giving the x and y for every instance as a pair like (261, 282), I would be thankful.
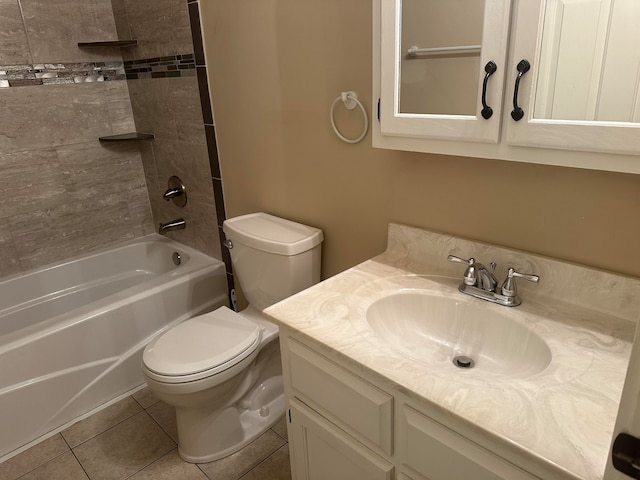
(127, 137)
(110, 43)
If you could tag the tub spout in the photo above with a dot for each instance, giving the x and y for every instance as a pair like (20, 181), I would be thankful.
(178, 224)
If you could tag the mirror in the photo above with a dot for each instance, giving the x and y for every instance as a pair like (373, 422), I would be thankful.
(589, 61)
(440, 51)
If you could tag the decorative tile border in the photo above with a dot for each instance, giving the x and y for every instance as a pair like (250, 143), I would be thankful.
(60, 73)
(160, 67)
(65, 73)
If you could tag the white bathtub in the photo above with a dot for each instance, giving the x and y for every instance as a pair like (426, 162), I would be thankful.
(72, 334)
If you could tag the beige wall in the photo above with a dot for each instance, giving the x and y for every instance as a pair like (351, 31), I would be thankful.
(276, 66)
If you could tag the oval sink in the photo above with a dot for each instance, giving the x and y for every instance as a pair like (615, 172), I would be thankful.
(434, 329)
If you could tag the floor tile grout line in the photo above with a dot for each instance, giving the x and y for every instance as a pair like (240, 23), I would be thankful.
(149, 464)
(286, 444)
(80, 463)
(103, 431)
(43, 463)
(174, 440)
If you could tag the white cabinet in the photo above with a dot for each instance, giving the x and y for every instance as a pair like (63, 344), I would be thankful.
(344, 426)
(320, 451)
(582, 91)
(415, 65)
(578, 102)
(439, 453)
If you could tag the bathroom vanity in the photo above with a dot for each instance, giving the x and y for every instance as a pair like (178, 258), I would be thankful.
(373, 391)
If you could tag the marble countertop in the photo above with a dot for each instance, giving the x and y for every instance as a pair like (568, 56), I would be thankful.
(562, 416)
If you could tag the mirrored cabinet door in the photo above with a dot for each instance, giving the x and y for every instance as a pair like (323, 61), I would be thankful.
(443, 68)
(582, 91)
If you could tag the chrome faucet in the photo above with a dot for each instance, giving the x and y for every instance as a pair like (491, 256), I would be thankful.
(480, 282)
(178, 224)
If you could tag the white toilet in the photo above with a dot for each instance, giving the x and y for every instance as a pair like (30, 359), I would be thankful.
(221, 370)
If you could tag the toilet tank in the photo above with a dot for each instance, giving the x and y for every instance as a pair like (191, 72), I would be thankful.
(272, 258)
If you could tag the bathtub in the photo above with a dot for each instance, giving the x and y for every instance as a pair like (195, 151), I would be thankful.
(72, 334)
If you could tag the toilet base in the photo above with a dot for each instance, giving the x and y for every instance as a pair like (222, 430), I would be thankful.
(203, 439)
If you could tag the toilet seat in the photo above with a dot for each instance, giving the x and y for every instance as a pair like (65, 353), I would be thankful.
(201, 347)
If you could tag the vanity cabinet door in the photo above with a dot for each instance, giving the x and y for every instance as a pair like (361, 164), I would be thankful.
(442, 68)
(321, 451)
(437, 453)
(581, 91)
(353, 404)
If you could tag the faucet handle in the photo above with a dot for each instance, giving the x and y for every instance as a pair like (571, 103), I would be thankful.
(509, 288)
(470, 276)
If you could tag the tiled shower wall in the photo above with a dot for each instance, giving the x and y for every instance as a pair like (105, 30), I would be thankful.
(63, 193)
(165, 95)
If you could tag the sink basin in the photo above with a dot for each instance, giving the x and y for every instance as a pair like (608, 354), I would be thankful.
(458, 335)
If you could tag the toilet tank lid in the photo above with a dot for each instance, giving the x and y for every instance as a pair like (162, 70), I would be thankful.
(272, 234)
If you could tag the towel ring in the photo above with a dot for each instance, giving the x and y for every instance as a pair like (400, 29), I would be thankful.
(350, 100)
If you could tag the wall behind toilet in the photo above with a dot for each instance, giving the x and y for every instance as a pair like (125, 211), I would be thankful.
(276, 67)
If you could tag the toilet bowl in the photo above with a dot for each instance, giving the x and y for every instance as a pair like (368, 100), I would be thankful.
(221, 370)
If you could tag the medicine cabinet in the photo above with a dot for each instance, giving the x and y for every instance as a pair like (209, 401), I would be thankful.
(542, 81)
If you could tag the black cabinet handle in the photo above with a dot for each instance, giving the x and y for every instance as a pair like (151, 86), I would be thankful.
(523, 67)
(489, 69)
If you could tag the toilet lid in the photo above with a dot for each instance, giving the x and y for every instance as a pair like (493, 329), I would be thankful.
(202, 343)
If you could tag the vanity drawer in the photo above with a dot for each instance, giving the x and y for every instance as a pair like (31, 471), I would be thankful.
(353, 404)
(438, 453)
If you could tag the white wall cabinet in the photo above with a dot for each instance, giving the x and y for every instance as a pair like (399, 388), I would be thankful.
(579, 100)
(344, 426)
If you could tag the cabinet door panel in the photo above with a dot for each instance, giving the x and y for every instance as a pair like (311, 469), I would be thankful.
(560, 114)
(394, 120)
(441, 454)
(320, 451)
(352, 403)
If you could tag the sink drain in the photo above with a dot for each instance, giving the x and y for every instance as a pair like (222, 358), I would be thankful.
(462, 361)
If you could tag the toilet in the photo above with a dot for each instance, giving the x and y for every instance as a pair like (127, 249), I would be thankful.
(221, 370)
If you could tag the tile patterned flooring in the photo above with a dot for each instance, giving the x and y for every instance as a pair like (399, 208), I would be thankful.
(136, 438)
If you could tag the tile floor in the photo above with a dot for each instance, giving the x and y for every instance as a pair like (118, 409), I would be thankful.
(135, 439)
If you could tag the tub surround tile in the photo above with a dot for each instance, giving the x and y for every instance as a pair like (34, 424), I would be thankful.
(212, 147)
(33, 457)
(238, 464)
(32, 180)
(15, 48)
(170, 467)
(124, 449)
(9, 260)
(563, 415)
(57, 115)
(96, 170)
(121, 19)
(46, 236)
(119, 110)
(140, 214)
(99, 422)
(184, 97)
(151, 109)
(69, 181)
(205, 99)
(64, 467)
(69, 22)
(160, 26)
(181, 65)
(196, 32)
